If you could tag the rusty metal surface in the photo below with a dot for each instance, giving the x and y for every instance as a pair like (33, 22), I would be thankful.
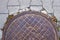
(30, 26)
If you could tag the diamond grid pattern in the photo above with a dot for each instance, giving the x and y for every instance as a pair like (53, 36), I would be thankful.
(29, 27)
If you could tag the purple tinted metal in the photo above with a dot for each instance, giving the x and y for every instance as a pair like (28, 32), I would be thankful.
(31, 26)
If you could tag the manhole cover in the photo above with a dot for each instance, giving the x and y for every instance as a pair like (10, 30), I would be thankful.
(30, 25)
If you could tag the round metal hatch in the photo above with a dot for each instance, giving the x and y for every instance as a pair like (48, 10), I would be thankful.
(30, 25)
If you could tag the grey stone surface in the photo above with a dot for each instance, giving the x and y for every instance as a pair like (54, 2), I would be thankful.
(25, 3)
(2, 19)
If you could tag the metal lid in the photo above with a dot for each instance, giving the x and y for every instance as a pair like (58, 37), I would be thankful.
(30, 25)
